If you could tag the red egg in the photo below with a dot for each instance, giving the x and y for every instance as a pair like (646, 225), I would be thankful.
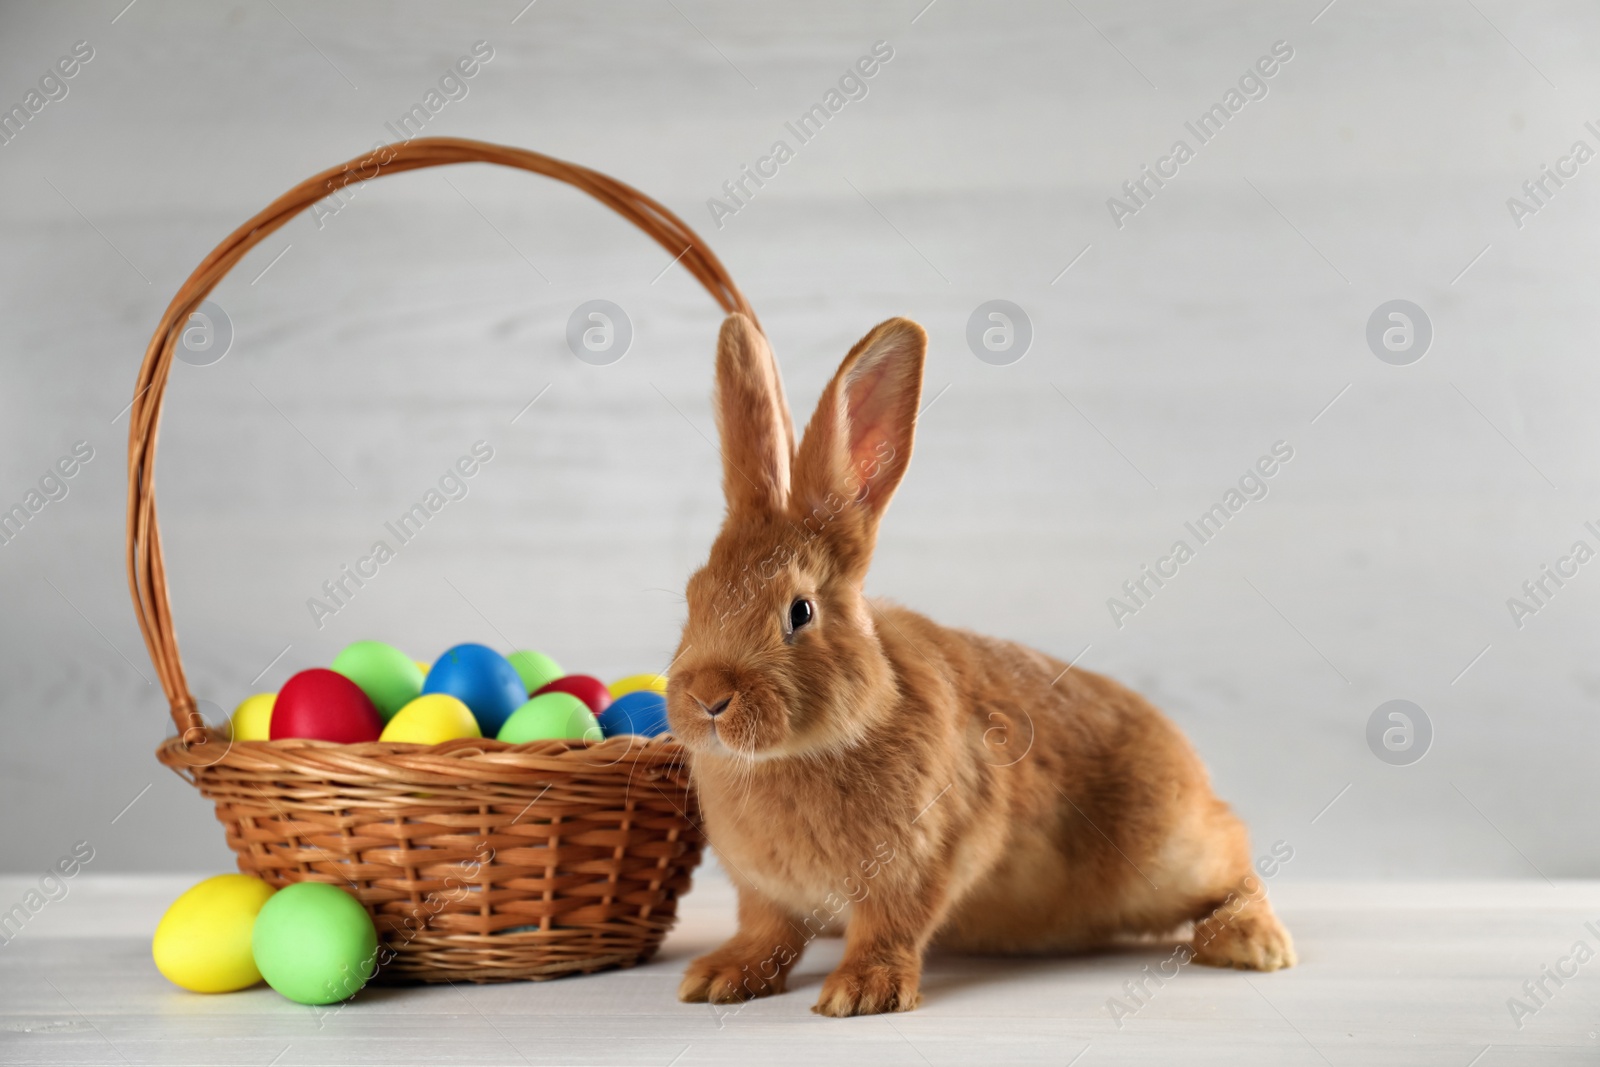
(592, 691)
(324, 706)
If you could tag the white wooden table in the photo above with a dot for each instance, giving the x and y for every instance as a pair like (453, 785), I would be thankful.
(1391, 973)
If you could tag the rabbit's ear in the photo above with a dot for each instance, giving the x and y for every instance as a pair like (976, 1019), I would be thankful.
(753, 419)
(858, 443)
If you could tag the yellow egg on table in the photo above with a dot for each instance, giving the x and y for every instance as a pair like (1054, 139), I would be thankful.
(203, 941)
(423, 667)
(252, 719)
(430, 719)
(635, 682)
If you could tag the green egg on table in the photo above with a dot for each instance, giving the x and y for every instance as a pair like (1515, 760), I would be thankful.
(389, 677)
(551, 717)
(535, 669)
(315, 943)
(431, 720)
(202, 943)
(252, 719)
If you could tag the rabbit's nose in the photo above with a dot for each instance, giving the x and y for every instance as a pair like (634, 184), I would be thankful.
(715, 709)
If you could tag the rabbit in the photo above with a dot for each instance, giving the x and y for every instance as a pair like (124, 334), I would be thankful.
(858, 764)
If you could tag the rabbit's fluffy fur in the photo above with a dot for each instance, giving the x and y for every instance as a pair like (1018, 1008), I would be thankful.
(915, 783)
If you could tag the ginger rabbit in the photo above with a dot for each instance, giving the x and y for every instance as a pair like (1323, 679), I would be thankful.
(859, 764)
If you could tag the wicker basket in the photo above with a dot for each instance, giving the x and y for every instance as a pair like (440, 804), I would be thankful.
(478, 860)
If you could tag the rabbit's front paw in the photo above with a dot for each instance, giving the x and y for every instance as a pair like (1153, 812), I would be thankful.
(870, 987)
(728, 976)
(1254, 940)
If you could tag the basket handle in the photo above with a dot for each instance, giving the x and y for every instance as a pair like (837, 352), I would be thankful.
(147, 576)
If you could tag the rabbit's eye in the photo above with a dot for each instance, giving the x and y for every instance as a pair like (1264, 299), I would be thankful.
(800, 614)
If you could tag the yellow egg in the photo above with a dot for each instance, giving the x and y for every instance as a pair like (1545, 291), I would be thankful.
(635, 682)
(430, 719)
(203, 941)
(252, 718)
(423, 667)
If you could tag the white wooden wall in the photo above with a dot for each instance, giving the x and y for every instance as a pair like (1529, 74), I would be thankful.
(1223, 317)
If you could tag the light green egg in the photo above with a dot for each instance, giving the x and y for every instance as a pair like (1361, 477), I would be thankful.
(314, 943)
(389, 677)
(535, 669)
(551, 717)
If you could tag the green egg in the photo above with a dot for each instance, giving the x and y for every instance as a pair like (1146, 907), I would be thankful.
(314, 943)
(389, 677)
(551, 717)
(535, 669)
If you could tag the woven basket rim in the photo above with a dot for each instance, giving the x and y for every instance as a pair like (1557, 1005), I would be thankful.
(484, 760)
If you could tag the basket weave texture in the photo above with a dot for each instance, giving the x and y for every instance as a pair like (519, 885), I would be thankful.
(478, 860)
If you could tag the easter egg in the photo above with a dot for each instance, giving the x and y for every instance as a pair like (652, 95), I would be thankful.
(592, 691)
(388, 676)
(642, 712)
(252, 719)
(483, 680)
(324, 705)
(431, 719)
(633, 683)
(423, 667)
(535, 669)
(551, 717)
(202, 943)
(314, 943)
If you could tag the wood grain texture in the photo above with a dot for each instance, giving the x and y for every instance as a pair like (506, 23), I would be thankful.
(1391, 973)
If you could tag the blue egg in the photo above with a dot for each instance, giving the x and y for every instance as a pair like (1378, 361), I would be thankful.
(483, 680)
(642, 712)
